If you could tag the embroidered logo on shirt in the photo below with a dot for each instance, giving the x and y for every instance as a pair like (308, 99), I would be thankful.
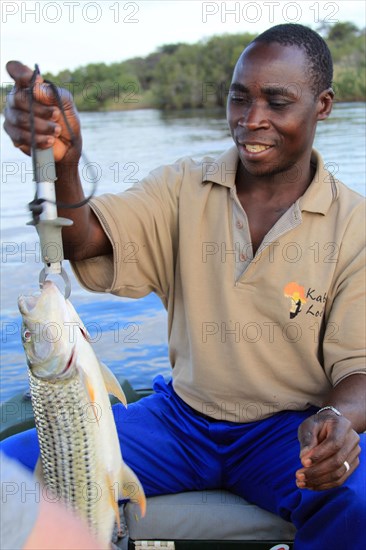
(296, 293)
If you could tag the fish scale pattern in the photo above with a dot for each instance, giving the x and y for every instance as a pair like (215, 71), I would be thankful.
(65, 421)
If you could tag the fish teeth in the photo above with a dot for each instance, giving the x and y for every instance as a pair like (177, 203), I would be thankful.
(256, 148)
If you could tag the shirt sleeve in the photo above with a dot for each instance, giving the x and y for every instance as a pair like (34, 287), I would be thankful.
(142, 225)
(20, 494)
(344, 338)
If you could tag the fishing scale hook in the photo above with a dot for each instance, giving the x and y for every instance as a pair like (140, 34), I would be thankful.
(44, 205)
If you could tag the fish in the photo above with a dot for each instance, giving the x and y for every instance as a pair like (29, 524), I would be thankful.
(81, 461)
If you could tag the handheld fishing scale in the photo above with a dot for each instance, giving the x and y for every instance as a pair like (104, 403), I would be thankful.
(44, 206)
(47, 223)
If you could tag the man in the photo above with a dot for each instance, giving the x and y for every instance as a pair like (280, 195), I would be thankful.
(258, 258)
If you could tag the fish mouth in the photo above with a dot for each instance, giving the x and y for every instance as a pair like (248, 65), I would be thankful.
(27, 303)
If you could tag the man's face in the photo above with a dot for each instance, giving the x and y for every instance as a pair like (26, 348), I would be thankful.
(271, 109)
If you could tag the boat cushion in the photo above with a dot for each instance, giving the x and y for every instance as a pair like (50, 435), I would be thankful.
(205, 515)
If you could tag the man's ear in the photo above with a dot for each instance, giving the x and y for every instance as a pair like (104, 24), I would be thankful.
(325, 103)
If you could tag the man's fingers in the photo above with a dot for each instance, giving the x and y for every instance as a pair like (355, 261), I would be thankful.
(21, 74)
(308, 436)
(44, 119)
(336, 438)
(17, 125)
(50, 108)
(321, 437)
(324, 462)
(42, 92)
(328, 474)
(22, 138)
(18, 105)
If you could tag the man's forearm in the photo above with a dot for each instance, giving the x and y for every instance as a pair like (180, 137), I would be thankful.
(85, 238)
(349, 397)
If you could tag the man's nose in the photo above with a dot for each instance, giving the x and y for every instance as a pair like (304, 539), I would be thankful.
(254, 116)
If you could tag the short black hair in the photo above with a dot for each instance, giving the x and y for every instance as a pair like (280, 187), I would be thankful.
(316, 49)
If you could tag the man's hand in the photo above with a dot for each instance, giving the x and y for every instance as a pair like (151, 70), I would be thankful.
(327, 441)
(86, 236)
(49, 123)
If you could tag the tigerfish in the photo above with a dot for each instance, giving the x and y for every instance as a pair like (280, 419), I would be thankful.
(80, 455)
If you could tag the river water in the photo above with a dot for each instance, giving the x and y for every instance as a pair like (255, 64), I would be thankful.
(130, 336)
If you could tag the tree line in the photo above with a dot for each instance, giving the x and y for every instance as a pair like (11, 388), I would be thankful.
(186, 76)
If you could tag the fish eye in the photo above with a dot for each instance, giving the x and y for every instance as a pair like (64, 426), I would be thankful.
(27, 336)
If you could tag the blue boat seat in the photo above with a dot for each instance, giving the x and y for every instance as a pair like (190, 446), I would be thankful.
(206, 515)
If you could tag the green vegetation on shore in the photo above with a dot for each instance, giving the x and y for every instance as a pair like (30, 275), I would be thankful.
(184, 76)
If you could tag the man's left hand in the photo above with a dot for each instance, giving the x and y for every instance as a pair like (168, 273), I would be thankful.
(329, 451)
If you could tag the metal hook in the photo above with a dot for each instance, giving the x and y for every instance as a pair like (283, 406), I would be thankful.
(65, 277)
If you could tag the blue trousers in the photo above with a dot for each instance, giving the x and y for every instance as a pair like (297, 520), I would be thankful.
(171, 448)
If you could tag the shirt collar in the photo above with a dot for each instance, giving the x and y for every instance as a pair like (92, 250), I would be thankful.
(222, 170)
(318, 197)
(322, 191)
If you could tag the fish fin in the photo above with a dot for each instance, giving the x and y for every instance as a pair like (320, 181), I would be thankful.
(38, 471)
(95, 412)
(111, 383)
(91, 393)
(89, 388)
(113, 502)
(131, 488)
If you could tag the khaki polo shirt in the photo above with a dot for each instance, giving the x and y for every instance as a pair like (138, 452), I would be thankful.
(248, 336)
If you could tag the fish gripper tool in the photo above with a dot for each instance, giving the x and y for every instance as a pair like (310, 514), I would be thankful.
(45, 218)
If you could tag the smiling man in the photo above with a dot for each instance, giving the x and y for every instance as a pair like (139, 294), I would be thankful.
(258, 256)
(274, 105)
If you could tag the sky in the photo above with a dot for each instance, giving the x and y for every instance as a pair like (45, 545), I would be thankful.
(70, 33)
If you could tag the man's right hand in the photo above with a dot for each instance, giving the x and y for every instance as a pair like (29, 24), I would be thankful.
(49, 123)
(85, 238)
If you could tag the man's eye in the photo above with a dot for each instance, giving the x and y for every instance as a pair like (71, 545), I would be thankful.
(237, 98)
(278, 104)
